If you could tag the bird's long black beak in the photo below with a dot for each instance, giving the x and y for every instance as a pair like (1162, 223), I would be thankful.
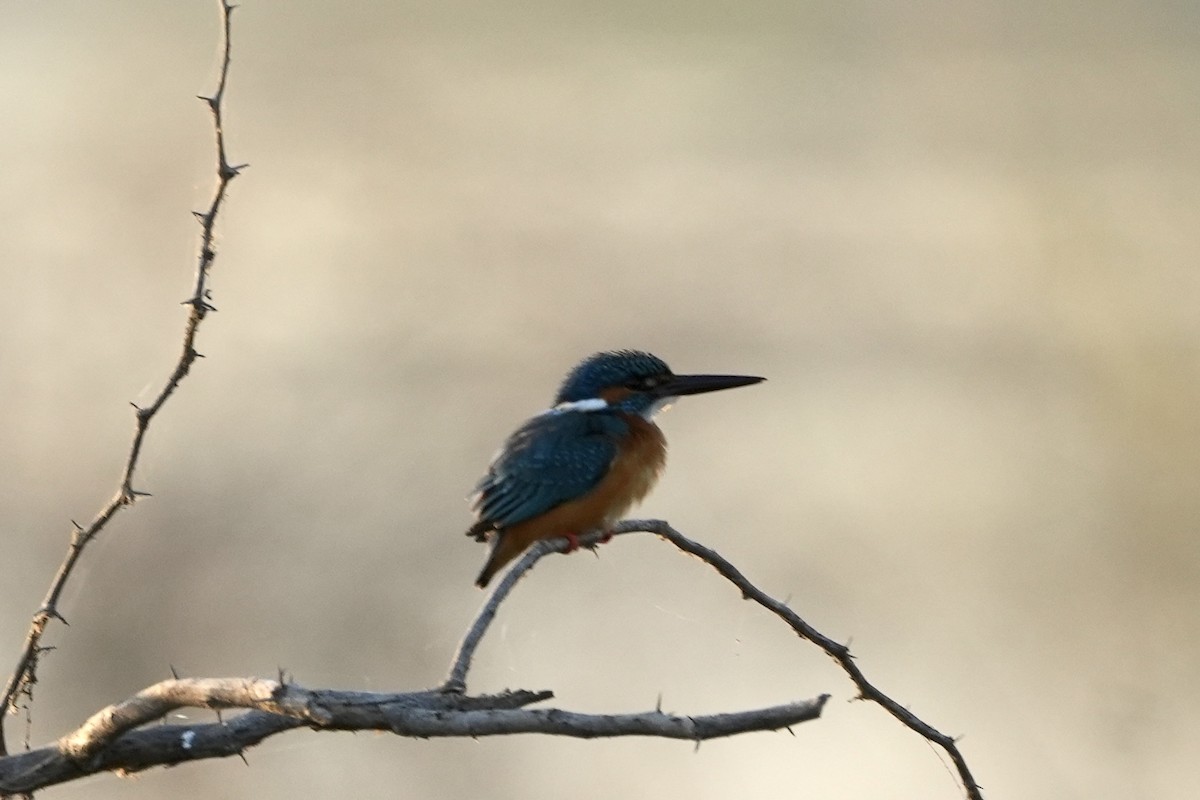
(680, 385)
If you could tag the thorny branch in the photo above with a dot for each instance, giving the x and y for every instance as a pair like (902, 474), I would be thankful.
(835, 650)
(24, 675)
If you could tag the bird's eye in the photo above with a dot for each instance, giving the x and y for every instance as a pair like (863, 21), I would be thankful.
(643, 384)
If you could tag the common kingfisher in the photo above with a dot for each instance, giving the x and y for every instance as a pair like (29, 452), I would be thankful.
(581, 464)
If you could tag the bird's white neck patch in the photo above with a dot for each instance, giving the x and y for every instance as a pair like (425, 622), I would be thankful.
(599, 404)
(591, 404)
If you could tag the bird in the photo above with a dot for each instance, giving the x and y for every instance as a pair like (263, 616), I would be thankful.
(581, 464)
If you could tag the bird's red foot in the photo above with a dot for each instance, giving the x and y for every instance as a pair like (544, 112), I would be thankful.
(572, 542)
(606, 538)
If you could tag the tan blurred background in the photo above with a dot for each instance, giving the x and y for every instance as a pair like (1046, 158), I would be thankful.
(959, 238)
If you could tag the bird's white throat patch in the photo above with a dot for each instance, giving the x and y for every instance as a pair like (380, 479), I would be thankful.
(661, 404)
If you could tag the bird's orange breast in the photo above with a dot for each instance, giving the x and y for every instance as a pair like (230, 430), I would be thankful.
(640, 458)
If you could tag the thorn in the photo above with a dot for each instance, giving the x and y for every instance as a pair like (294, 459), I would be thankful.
(197, 303)
(78, 527)
(202, 216)
(51, 612)
(174, 674)
(696, 749)
(658, 704)
(135, 493)
(220, 718)
(242, 756)
(788, 728)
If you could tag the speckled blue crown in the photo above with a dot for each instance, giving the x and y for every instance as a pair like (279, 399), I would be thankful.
(601, 370)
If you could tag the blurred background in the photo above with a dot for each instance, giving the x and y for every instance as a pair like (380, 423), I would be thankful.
(959, 238)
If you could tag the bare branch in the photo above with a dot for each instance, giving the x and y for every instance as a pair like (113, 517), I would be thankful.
(109, 742)
(835, 650)
(457, 679)
(24, 675)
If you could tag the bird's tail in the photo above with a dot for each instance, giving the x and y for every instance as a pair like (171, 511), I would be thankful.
(504, 549)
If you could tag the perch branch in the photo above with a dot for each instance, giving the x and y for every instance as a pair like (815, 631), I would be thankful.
(840, 653)
(114, 739)
(24, 675)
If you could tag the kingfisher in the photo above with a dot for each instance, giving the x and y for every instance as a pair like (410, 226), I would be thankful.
(582, 463)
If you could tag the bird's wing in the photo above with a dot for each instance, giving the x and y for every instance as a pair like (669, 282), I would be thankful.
(554, 457)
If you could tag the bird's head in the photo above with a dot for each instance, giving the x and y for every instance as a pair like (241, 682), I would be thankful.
(636, 383)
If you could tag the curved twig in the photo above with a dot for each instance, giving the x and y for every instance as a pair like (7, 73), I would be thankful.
(456, 681)
(835, 650)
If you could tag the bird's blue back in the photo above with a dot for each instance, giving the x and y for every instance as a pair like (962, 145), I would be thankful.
(557, 456)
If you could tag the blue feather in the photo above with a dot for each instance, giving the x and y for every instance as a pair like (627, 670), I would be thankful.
(553, 458)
